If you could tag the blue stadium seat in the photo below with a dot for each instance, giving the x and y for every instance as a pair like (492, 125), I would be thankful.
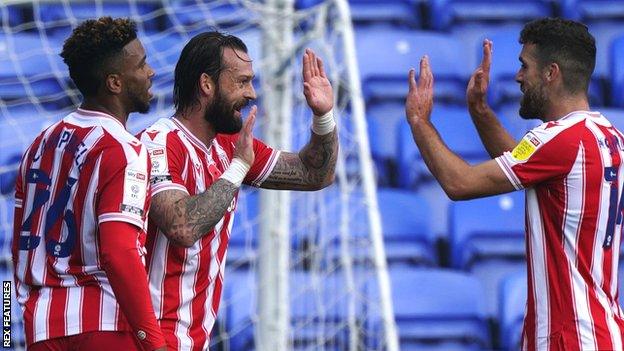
(59, 18)
(395, 12)
(7, 203)
(30, 69)
(592, 10)
(616, 57)
(386, 54)
(445, 13)
(615, 116)
(14, 15)
(438, 309)
(405, 227)
(488, 248)
(318, 306)
(206, 14)
(604, 33)
(512, 305)
(457, 131)
(383, 124)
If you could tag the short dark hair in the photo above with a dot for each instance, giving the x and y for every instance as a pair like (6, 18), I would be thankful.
(202, 54)
(567, 43)
(92, 50)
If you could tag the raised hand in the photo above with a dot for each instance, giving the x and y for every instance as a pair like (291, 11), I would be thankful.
(420, 96)
(316, 87)
(480, 79)
(244, 144)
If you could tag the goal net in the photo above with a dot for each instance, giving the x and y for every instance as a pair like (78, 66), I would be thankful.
(305, 270)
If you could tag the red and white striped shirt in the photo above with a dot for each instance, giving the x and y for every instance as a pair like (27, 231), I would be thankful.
(82, 171)
(186, 283)
(573, 170)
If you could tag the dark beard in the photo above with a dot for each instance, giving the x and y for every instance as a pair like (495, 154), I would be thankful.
(532, 104)
(222, 118)
(138, 105)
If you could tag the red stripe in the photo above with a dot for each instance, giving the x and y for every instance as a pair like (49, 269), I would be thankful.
(198, 304)
(29, 318)
(57, 320)
(170, 296)
(91, 307)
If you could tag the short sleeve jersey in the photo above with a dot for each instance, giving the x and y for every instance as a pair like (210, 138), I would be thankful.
(84, 170)
(186, 283)
(573, 173)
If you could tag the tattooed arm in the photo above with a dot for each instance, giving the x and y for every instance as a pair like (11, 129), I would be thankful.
(184, 219)
(313, 167)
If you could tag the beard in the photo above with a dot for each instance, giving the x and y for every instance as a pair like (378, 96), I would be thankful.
(139, 104)
(221, 116)
(533, 103)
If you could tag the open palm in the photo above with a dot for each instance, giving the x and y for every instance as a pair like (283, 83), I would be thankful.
(316, 87)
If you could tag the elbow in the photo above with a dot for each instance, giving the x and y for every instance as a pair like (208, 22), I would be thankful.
(324, 183)
(457, 192)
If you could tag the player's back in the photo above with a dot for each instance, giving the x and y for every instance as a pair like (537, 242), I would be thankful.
(79, 172)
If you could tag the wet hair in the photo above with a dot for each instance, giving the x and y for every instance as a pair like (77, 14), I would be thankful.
(567, 43)
(202, 54)
(93, 50)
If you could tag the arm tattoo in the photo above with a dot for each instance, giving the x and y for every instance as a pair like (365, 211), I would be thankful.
(185, 219)
(311, 169)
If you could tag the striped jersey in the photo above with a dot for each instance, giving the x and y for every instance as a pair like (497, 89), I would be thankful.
(84, 170)
(186, 283)
(573, 172)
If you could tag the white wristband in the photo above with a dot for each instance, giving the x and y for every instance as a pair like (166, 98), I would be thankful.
(236, 172)
(324, 124)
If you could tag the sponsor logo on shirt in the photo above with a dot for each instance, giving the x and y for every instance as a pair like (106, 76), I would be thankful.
(159, 161)
(526, 147)
(131, 209)
(135, 189)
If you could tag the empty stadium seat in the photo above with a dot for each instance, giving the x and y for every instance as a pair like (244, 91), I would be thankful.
(445, 13)
(487, 239)
(615, 116)
(59, 18)
(457, 131)
(438, 309)
(592, 10)
(616, 57)
(195, 14)
(7, 203)
(386, 54)
(383, 125)
(30, 68)
(512, 304)
(406, 231)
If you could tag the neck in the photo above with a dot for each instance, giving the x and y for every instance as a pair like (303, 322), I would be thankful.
(193, 119)
(563, 105)
(109, 107)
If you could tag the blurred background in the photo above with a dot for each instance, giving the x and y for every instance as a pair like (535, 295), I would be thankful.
(456, 270)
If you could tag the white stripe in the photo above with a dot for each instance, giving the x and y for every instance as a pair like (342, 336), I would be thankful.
(157, 272)
(268, 168)
(575, 187)
(538, 274)
(89, 245)
(167, 185)
(123, 217)
(40, 315)
(505, 165)
(108, 312)
(190, 268)
(73, 322)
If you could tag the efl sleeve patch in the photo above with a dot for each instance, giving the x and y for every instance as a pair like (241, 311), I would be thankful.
(135, 190)
(526, 147)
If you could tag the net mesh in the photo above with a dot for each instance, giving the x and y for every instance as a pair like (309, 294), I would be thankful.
(334, 300)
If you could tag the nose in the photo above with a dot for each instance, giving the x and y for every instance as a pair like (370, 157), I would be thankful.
(150, 72)
(250, 92)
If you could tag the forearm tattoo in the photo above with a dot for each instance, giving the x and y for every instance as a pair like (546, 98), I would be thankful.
(312, 168)
(192, 217)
